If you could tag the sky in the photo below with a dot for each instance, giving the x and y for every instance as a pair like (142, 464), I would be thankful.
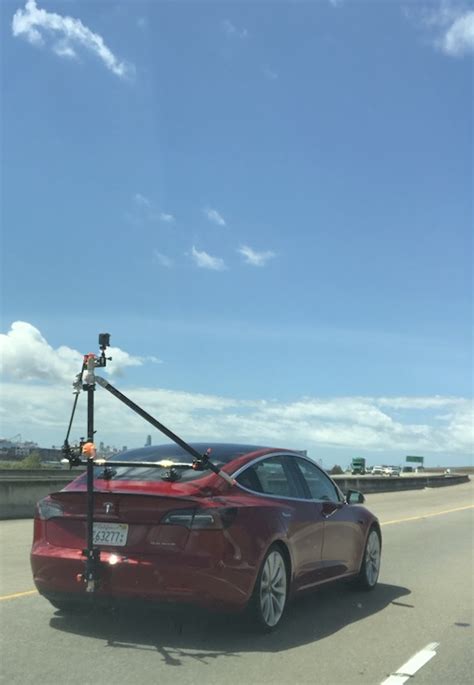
(268, 205)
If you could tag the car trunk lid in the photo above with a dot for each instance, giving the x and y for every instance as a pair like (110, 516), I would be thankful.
(126, 522)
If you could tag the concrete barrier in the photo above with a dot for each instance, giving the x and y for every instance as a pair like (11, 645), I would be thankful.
(435, 482)
(21, 489)
(369, 484)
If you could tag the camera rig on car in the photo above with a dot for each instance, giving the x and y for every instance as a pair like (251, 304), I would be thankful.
(84, 454)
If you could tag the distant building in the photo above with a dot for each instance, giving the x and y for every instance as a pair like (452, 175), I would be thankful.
(13, 450)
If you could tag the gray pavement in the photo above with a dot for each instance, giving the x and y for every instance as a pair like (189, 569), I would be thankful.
(335, 636)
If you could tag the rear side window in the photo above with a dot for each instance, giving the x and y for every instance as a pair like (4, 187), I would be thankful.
(319, 485)
(249, 479)
(272, 476)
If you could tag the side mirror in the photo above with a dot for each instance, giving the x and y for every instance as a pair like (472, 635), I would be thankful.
(354, 497)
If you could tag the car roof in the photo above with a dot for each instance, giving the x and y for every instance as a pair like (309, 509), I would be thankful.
(220, 451)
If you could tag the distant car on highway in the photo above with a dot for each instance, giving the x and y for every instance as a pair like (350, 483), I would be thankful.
(391, 471)
(187, 536)
(378, 470)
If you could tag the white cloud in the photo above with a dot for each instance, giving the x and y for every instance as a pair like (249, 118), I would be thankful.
(421, 403)
(353, 424)
(361, 411)
(461, 428)
(67, 34)
(371, 425)
(121, 360)
(142, 201)
(162, 259)
(458, 39)
(450, 25)
(214, 216)
(25, 355)
(205, 261)
(146, 210)
(231, 30)
(255, 258)
(62, 49)
(270, 74)
(167, 218)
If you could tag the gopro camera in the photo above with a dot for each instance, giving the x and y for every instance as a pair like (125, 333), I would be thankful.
(104, 341)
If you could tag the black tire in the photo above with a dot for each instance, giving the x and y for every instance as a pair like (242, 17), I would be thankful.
(370, 566)
(270, 595)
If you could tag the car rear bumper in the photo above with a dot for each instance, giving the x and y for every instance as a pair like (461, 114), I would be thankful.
(57, 573)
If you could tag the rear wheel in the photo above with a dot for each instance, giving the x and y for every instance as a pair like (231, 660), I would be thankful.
(271, 590)
(370, 568)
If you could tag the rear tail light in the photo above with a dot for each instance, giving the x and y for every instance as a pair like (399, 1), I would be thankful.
(48, 509)
(201, 519)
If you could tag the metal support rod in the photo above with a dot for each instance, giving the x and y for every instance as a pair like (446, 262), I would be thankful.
(72, 418)
(200, 459)
(93, 555)
(90, 467)
(77, 387)
(163, 464)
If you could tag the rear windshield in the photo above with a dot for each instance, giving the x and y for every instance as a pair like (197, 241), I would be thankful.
(220, 455)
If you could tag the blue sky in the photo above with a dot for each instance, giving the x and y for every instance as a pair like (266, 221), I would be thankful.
(273, 199)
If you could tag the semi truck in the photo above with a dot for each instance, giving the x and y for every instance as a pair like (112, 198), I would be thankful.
(358, 466)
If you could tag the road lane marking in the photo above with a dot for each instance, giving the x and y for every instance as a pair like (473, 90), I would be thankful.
(18, 594)
(410, 667)
(429, 515)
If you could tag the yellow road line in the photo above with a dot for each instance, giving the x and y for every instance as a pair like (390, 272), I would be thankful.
(18, 594)
(425, 516)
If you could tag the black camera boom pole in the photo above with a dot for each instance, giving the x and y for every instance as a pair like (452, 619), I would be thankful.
(92, 554)
(145, 415)
(199, 459)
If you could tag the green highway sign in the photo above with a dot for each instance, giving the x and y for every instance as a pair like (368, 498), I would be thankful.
(418, 460)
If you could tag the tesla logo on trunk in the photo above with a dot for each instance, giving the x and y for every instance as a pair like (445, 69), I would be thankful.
(108, 506)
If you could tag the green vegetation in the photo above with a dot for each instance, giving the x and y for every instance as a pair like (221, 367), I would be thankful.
(32, 461)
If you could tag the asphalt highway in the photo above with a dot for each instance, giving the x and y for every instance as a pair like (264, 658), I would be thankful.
(422, 608)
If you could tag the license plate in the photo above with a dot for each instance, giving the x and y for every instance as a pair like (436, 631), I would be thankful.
(114, 534)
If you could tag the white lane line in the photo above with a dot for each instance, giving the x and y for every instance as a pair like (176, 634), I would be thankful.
(413, 665)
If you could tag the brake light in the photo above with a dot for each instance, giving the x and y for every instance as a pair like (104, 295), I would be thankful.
(200, 519)
(48, 509)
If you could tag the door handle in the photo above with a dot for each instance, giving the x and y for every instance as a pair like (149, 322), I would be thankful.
(331, 513)
(327, 515)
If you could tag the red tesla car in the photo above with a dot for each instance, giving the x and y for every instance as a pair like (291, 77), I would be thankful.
(186, 536)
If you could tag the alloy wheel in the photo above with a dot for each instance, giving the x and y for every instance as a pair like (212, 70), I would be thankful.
(273, 588)
(372, 558)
